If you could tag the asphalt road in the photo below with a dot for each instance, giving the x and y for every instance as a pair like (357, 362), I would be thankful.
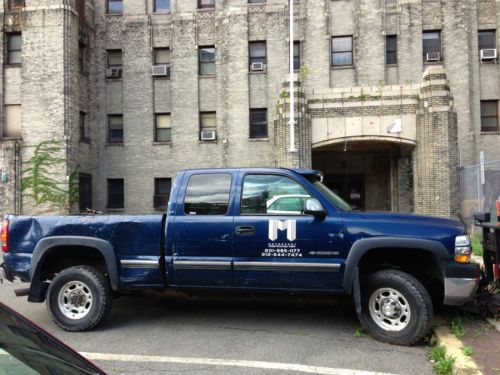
(162, 335)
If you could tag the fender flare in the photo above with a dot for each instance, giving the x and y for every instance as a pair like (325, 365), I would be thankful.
(363, 246)
(44, 246)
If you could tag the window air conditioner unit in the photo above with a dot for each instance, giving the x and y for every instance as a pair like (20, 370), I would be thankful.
(257, 67)
(488, 54)
(433, 56)
(160, 70)
(208, 135)
(113, 72)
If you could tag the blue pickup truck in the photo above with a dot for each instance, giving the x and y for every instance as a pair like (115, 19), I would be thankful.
(255, 230)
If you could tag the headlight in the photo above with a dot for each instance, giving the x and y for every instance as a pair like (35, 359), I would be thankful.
(462, 249)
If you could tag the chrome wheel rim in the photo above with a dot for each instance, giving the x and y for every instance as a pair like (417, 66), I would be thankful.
(389, 309)
(75, 300)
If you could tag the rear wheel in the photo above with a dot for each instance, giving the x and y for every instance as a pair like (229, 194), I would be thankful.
(396, 307)
(79, 298)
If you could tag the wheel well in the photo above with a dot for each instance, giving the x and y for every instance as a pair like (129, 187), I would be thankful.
(421, 264)
(61, 257)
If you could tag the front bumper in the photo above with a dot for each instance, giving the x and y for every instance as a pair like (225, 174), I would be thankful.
(460, 282)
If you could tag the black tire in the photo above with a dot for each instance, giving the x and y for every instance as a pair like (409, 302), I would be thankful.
(91, 293)
(410, 311)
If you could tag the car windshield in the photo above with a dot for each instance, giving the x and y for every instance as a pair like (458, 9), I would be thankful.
(330, 195)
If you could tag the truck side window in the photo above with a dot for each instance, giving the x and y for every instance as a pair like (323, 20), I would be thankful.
(272, 195)
(208, 194)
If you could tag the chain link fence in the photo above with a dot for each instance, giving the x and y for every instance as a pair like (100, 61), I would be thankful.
(479, 188)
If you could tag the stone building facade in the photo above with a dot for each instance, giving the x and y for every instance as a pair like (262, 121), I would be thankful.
(393, 96)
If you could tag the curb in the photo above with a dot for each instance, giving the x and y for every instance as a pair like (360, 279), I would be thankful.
(464, 365)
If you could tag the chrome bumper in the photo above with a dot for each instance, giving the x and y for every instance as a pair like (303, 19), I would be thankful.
(458, 291)
(3, 274)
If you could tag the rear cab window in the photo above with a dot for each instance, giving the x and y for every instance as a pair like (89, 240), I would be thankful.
(208, 194)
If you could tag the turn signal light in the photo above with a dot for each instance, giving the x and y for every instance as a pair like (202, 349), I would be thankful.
(463, 250)
(4, 236)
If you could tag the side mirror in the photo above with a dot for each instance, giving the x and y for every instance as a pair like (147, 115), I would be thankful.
(313, 207)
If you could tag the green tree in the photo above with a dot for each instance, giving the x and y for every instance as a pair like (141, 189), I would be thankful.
(38, 182)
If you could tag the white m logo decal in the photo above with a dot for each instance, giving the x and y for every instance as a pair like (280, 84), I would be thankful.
(289, 225)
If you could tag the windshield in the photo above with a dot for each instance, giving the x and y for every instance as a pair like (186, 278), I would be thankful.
(331, 196)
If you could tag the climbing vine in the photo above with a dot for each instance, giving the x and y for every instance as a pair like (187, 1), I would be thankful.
(37, 180)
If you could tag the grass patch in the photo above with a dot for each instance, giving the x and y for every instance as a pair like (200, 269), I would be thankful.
(456, 326)
(358, 332)
(468, 351)
(441, 360)
(477, 246)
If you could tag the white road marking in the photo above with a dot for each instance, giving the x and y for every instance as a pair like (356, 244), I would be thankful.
(228, 362)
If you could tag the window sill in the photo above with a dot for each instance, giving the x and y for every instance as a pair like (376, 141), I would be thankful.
(258, 139)
(114, 14)
(391, 65)
(85, 140)
(114, 79)
(161, 78)
(258, 72)
(12, 138)
(206, 9)
(114, 144)
(115, 209)
(156, 143)
(13, 65)
(206, 76)
(341, 67)
(433, 62)
(202, 142)
(496, 132)
(162, 12)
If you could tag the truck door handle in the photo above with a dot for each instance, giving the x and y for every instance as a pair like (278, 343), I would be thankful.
(245, 230)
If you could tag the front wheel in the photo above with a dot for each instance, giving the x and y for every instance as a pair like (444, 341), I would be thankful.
(79, 298)
(396, 307)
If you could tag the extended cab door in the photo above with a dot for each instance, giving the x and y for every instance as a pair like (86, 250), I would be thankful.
(203, 230)
(276, 246)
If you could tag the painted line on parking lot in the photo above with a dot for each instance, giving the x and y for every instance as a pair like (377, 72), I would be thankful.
(228, 362)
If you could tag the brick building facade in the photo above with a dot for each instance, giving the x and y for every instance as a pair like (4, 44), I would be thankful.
(394, 97)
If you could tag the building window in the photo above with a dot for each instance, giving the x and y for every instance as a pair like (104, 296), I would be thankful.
(84, 191)
(257, 55)
(12, 124)
(14, 48)
(341, 50)
(431, 45)
(115, 129)
(204, 4)
(162, 193)
(208, 194)
(115, 58)
(487, 39)
(162, 6)
(115, 6)
(163, 127)
(16, 4)
(258, 123)
(296, 55)
(116, 193)
(84, 136)
(80, 9)
(207, 60)
(81, 57)
(161, 56)
(489, 116)
(208, 126)
(391, 50)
